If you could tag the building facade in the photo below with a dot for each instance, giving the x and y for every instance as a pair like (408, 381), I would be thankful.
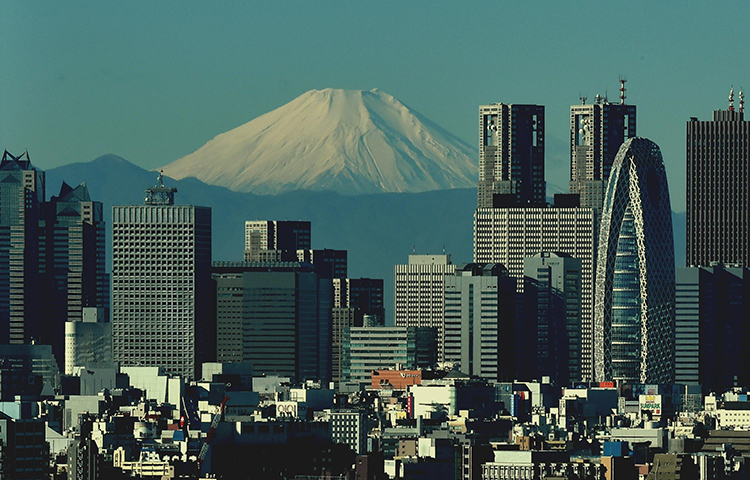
(511, 156)
(635, 276)
(354, 301)
(22, 192)
(276, 316)
(596, 132)
(275, 240)
(161, 274)
(509, 235)
(712, 305)
(73, 265)
(366, 349)
(420, 293)
(480, 310)
(718, 190)
(552, 317)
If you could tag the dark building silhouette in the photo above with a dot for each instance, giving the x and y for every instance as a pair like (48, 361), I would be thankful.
(22, 193)
(718, 188)
(551, 327)
(73, 264)
(275, 315)
(712, 308)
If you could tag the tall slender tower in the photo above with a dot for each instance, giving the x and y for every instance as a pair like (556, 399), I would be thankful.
(21, 197)
(718, 188)
(511, 156)
(596, 132)
(161, 284)
(635, 274)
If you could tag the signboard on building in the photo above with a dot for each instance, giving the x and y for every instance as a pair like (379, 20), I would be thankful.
(291, 409)
(651, 403)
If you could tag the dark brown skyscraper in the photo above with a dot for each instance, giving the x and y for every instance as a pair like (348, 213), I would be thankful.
(718, 188)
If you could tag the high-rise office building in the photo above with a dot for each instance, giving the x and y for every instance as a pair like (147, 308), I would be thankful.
(635, 274)
(712, 305)
(275, 240)
(22, 190)
(509, 235)
(480, 301)
(366, 349)
(73, 264)
(276, 316)
(161, 284)
(596, 132)
(718, 190)
(511, 156)
(420, 293)
(551, 331)
(328, 263)
(354, 301)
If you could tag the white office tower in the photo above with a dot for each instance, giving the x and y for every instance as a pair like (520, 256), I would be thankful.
(508, 235)
(479, 310)
(161, 284)
(420, 293)
(88, 342)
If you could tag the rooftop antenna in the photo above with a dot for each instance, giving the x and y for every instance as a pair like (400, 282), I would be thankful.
(731, 99)
(583, 99)
(623, 96)
(443, 249)
(598, 99)
(606, 97)
(742, 101)
(414, 249)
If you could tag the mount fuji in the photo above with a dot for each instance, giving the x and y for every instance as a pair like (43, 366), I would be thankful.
(348, 141)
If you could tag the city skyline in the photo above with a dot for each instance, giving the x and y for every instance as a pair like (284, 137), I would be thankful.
(153, 83)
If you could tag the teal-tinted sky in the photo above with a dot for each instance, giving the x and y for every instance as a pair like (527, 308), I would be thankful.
(153, 81)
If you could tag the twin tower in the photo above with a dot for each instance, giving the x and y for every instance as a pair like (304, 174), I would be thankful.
(616, 220)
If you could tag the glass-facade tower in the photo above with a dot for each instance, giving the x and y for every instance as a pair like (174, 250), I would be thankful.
(635, 274)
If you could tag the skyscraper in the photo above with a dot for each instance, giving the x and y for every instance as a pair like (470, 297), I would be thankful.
(551, 331)
(275, 240)
(511, 156)
(718, 188)
(73, 264)
(420, 293)
(509, 235)
(480, 301)
(276, 316)
(161, 284)
(635, 274)
(712, 306)
(22, 190)
(596, 132)
(353, 300)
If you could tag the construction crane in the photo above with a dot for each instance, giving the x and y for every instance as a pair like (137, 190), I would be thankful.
(212, 431)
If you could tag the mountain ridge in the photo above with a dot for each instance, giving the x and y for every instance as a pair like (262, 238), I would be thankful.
(348, 141)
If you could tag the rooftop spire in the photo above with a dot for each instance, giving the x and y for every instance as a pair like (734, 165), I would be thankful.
(623, 95)
(742, 101)
(731, 99)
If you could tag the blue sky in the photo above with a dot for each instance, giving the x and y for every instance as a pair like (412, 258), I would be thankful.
(153, 81)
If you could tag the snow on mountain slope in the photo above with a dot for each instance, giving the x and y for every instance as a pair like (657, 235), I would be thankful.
(348, 141)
